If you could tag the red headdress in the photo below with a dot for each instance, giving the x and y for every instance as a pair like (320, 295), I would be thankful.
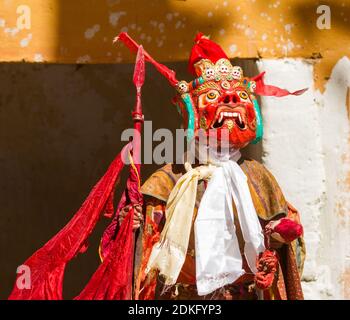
(204, 48)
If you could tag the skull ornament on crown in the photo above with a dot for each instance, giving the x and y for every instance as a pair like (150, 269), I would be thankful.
(220, 100)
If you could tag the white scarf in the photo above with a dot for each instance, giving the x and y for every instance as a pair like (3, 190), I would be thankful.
(218, 257)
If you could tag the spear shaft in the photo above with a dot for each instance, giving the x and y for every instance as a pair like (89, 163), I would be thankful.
(138, 79)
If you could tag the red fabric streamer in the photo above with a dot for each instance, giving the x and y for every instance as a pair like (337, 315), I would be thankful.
(113, 278)
(109, 209)
(133, 46)
(204, 48)
(47, 265)
(111, 231)
(130, 195)
(263, 89)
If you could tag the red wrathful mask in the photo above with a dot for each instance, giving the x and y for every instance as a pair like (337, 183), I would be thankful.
(222, 102)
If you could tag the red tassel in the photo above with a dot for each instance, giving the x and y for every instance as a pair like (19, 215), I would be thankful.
(267, 267)
(47, 265)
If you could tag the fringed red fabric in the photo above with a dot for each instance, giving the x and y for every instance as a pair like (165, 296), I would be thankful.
(263, 89)
(133, 47)
(113, 278)
(47, 265)
(204, 48)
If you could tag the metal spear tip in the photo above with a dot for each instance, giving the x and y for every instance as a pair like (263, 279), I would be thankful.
(139, 71)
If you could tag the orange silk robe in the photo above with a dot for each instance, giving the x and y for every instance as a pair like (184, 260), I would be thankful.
(269, 203)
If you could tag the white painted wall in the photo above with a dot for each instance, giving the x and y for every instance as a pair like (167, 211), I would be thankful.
(306, 146)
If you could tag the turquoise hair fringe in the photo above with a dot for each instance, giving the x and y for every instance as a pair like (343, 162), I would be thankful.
(259, 122)
(190, 113)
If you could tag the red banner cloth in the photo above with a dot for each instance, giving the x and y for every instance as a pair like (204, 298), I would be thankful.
(47, 265)
(113, 278)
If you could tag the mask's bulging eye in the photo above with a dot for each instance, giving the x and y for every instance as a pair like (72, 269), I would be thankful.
(212, 95)
(243, 95)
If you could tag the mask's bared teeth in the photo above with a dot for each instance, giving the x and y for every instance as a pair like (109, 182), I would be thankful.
(221, 116)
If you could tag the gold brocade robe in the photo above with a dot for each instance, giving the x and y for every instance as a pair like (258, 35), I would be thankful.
(269, 203)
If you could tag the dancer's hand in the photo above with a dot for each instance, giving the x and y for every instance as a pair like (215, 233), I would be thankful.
(137, 219)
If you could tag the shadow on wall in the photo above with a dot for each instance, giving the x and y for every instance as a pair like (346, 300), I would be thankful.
(305, 14)
(155, 22)
(60, 129)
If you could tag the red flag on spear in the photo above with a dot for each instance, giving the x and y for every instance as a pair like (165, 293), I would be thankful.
(113, 278)
(47, 264)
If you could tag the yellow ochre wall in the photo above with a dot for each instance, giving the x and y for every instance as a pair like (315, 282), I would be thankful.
(69, 31)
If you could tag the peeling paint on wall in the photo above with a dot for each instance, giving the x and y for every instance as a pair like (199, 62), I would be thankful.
(90, 32)
(25, 41)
